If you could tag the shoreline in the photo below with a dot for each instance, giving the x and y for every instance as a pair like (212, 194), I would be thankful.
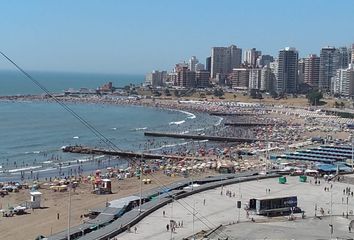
(292, 127)
(46, 169)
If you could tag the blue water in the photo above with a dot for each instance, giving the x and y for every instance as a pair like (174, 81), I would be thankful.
(32, 133)
(30, 129)
(14, 82)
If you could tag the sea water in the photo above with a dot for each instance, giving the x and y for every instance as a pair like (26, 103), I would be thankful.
(32, 133)
(15, 83)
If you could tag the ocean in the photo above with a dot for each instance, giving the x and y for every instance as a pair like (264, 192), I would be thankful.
(32, 133)
(15, 83)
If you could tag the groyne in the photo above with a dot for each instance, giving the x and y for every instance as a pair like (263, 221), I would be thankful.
(202, 137)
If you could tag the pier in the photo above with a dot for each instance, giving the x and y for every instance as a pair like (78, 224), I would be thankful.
(99, 151)
(202, 137)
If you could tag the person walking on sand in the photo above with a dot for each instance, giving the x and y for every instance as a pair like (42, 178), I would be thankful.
(135, 229)
(167, 227)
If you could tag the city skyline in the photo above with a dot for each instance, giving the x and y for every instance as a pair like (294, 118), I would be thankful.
(136, 37)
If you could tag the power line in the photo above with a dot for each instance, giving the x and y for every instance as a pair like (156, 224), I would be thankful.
(103, 138)
(65, 106)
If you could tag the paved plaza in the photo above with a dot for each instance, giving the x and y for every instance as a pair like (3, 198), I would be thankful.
(214, 207)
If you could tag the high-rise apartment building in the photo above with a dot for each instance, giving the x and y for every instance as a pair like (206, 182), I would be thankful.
(274, 68)
(240, 78)
(312, 70)
(287, 81)
(264, 60)
(202, 78)
(343, 57)
(224, 59)
(267, 79)
(329, 63)
(352, 54)
(235, 57)
(343, 81)
(156, 78)
(208, 64)
(254, 78)
(300, 71)
(185, 78)
(199, 67)
(251, 56)
(192, 63)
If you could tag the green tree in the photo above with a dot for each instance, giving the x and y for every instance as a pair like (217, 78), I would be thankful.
(314, 97)
(176, 93)
(167, 92)
(218, 92)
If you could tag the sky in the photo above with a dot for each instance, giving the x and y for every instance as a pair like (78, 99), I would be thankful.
(137, 36)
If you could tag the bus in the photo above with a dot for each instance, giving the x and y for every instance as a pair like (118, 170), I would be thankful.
(274, 206)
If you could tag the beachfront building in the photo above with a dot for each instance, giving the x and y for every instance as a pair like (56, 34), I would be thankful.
(240, 78)
(267, 79)
(274, 68)
(352, 54)
(208, 64)
(202, 79)
(199, 67)
(343, 57)
(300, 71)
(251, 56)
(264, 60)
(185, 78)
(223, 60)
(192, 63)
(172, 79)
(343, 82)
(329, 63)
(287, 80)
(156, 78)
(254, 78)
(312, 70)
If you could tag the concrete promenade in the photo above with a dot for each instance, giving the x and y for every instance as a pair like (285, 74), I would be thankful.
(214, 208)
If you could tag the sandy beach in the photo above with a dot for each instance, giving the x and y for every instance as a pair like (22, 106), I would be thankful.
(44, 221)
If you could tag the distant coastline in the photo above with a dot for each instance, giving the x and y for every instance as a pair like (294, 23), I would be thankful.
(14, 83)
(172, 104)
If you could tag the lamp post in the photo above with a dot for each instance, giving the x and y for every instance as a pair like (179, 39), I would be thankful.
(140, 183)
(347, 206)
(171, 220)
(352, 151)
(69, 212)
(331, 225)
(193, 218)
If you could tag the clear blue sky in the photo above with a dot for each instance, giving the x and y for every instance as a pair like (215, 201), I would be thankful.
(131, 36)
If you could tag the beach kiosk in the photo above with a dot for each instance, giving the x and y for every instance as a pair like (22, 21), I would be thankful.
(106, 186)
(36, 198)
(282, 180)
(303, 178)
